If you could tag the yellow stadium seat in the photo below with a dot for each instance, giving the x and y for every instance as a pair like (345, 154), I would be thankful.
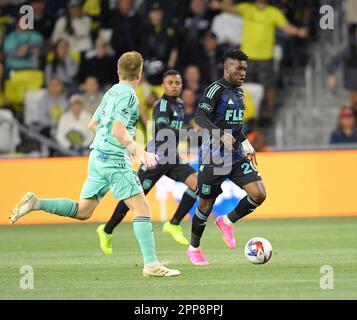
(22, 81)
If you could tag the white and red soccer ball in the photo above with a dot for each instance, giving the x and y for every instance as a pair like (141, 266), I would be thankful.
(258, 250)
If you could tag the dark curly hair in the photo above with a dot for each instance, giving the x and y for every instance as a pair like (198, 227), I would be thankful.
(235, 54)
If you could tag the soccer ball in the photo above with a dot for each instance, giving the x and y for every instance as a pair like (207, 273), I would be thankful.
(258, 250)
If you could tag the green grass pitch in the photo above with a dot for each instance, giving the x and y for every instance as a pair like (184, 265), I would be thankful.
(68, 263)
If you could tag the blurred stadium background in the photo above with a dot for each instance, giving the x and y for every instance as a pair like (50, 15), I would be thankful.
(301, 118)
(52, 78)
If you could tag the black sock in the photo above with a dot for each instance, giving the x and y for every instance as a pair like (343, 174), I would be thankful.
(198, 226)
(118, 215)
(245, 206)
(186, 203)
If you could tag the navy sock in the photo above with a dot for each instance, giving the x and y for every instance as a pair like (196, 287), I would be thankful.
(198, 226)
(186, 203)
(118, 215)
(245, 206)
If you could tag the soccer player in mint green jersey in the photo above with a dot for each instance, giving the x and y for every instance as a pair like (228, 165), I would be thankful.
(110, 166)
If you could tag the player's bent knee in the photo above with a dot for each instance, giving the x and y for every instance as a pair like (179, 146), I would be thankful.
(258, 196)
(84, 214)
(193, 186)
(83, 217)
(191, 182)
(144, 209)
(205, 208)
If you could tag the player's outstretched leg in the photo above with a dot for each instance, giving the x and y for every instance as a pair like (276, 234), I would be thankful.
(143, 231)
(28, 203)
(189, 198)
(173, 227)
(61, 207)
(256, 196)
(105, 231)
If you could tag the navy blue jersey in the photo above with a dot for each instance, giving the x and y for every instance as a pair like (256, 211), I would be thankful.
(168, 114)
(224, 106)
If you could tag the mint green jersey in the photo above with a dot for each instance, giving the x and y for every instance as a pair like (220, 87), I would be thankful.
(119, 103)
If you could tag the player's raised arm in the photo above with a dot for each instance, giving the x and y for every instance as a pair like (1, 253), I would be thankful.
(218, 5)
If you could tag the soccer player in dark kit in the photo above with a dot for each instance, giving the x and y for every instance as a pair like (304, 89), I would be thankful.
(225, 153)
(168, 116)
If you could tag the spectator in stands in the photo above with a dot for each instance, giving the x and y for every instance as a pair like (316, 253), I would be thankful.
(175, 11)
(52, 106)
(9, 132)
(189, 101)
(192, 80)
(197, 22)
(101, 64)
(346, 131)
(22, 48)
(98, 11)
(147, 95)
(74, 27)
(11, 7)
(6, 22)
(158, 45)
(43, 22)
(125, 25)
(260, 21)
(72, 131)
(228, 27)
(351, 12)
(92, 95)
(210, 58)
(62, 65)
(347, 57)
(56, 9)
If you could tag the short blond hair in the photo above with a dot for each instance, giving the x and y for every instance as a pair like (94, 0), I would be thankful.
(130, 65)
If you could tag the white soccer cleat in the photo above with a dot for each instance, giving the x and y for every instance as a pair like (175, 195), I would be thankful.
(24, 207)
(159, 270)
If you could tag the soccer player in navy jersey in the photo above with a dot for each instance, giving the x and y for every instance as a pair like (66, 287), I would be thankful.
(225, 153)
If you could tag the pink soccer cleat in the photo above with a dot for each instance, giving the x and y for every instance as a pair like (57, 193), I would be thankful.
(197, 257)
(228, 235)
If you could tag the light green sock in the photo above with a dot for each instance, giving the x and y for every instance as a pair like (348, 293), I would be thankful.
(61, 207)
(144, 234)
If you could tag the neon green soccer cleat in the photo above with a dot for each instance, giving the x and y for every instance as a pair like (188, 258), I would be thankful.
(105, 240)
(176, 232)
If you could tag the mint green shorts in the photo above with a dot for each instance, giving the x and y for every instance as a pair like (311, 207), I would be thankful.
(106, 173)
